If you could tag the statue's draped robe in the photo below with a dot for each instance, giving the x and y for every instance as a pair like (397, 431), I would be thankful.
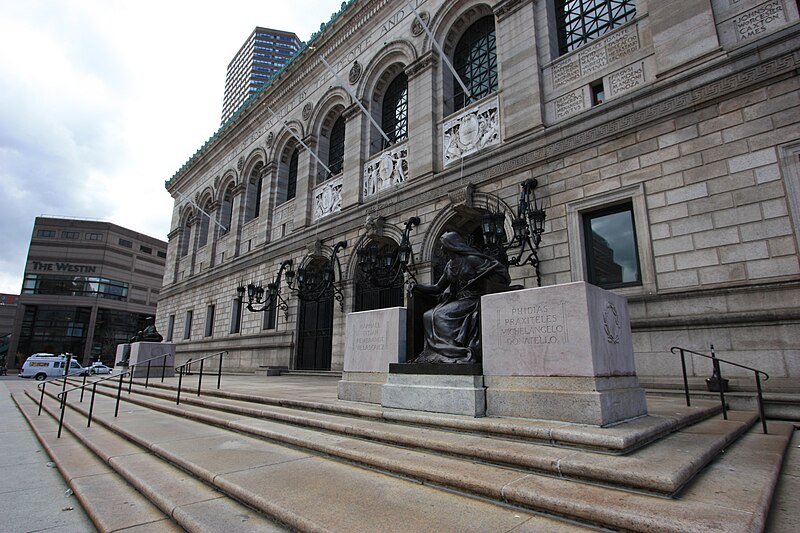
(452, 328)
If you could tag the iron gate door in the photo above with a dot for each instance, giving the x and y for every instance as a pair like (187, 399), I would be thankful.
(315, 332)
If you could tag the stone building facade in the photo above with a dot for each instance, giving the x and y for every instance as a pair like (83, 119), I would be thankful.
(664, 138)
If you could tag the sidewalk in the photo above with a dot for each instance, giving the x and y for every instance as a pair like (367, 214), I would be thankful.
(33, 493)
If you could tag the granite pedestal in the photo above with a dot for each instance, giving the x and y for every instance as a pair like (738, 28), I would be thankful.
(140, 352)
(439, 388)
(373, 340)
(562, 352)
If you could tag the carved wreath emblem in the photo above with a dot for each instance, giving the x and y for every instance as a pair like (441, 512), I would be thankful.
(416, 27)
(307, 109)
(270, 139)
(240, 164)
(611, 324)
(355, 73)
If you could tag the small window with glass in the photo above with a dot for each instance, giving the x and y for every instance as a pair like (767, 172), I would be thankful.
(612, 254)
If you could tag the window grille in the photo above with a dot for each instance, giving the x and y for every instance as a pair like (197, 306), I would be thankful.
(475, 61)
(394, 120)
(336, 147)
(580, 21)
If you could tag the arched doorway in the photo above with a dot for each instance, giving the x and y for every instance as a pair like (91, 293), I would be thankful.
(315, 324)
(378, 292)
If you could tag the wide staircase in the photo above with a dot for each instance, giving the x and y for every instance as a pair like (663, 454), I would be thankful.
(263, 460)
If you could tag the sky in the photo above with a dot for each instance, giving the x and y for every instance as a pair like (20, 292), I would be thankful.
(101, 101)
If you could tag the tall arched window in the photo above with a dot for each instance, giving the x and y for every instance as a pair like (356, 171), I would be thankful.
(394, 111)
(186, 238)
(226, 209)
(291, 182)
(204, 225)
(475, 61)
(253, 199)
(336, 147)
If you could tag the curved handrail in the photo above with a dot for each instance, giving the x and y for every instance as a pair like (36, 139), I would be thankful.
(180, 369)
(717, 374)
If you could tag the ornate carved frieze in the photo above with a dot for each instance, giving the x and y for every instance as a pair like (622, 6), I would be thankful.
(421, 65)
(504, 9)
(387, 169)
(328, 198)
(474, 129)
(374, 225)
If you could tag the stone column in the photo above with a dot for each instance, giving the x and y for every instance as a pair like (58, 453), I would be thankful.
(424, 145)
(269, 188)
(518, 68)
(684, 33)
(353, 163)
(306, 180)
(237, 205)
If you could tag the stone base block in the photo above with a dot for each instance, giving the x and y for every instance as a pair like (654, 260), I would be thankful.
(598, 401)
(361, 386)
(456, 395)
(139, 353)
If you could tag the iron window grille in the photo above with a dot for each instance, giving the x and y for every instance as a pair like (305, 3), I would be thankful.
(394, 119)
(291, 182)
(580, 21)
(336, 147)
(475, 61)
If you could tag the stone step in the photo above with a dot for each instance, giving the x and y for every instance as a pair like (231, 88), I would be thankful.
(666, 416)
(653, 469)
(126, 468)
(318, 373)
(709, 506)
(306, 491)
(777, 405)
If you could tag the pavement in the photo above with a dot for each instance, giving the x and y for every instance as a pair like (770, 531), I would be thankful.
(34, 495)
(35, 492)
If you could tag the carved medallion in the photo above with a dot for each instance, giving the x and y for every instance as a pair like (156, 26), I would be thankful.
(270, 139)
(240, 164)
(355, 73)
(611, 324)
(307, 110)
(416, 27)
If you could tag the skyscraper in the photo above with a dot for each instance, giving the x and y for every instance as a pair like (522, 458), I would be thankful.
(261, 56)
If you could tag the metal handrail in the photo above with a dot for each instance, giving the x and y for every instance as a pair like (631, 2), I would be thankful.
(180, 370)
(717, 373)
(62, 396)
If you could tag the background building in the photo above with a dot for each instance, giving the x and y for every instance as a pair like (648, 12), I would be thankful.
(664, 136)
(261, 56)
(8, 311)
(88, 286)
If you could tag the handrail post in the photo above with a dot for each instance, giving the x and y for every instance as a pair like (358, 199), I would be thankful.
(41, 400)
(83, 386)
(219, 375)
(66, 375)
(200, 379)
(132, 369)
(163, 367)
(685, 379)
(718, 373)
(61, 417)
(760, 403)
(119, 393)
(91, 405)
(147, 377)
(180, 379)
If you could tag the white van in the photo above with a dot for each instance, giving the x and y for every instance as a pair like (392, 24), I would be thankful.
(41, 366)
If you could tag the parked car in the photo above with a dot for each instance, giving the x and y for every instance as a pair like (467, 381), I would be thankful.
(99, 368)
(41, 366)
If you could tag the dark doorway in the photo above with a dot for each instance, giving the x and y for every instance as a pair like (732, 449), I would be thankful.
(315, 325)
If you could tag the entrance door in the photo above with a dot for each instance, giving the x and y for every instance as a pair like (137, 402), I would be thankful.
(315, 331)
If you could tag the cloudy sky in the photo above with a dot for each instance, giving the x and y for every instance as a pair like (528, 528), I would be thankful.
(101, 101)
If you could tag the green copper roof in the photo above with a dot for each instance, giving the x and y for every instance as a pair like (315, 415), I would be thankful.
(304, 46)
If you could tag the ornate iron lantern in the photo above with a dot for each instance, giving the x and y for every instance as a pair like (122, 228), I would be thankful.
(311, 284)
(528, 226)
(260, 300)
(383, 265)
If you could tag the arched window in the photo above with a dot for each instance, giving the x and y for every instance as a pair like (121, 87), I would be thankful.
(475, 61)
(336, 147)
(394, 111)
(580, 21)
(291, 182)
(226, 209)
(253, 199)
(204, 225)
(186, 238)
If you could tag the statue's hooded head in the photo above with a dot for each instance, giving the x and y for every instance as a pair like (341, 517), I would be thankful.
(454, 243)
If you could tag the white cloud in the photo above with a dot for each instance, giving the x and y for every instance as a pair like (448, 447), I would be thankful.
(104, 100)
